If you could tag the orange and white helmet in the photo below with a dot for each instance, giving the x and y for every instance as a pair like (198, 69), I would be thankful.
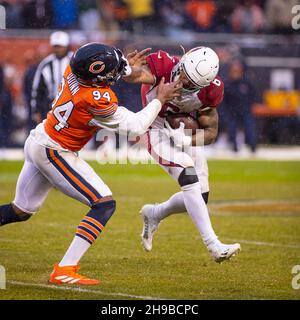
(200, 65)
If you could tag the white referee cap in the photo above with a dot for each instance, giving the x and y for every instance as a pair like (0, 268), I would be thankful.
(59, 38)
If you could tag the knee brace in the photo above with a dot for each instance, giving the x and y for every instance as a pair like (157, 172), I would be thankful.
(102, 211)
(8, 215)
(187, 176)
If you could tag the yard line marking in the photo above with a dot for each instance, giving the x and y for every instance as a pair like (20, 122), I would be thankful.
(256, 243)
(221, 203)
(261, 243)
(213, 203)
(83, 290)
(10, 240)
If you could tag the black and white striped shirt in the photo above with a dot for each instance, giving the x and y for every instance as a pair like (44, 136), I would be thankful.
(46, 82)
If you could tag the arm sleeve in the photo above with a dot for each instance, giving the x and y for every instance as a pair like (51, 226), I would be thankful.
(105, 112)
(161, 64)
(125, 121)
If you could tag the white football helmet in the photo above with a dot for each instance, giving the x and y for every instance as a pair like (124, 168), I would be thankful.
(200, 65)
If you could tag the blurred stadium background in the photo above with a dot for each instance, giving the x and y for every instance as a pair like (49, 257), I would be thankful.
(257, 35)
(253, 202)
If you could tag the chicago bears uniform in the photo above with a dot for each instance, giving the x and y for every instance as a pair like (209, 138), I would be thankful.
(51, 157)
(168, 156)
(50, 151)
(74, 108)
(84, 103)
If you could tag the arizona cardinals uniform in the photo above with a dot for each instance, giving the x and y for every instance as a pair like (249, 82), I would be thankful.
(171, 158)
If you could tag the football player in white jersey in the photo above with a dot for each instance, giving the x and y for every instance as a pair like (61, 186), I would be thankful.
(183, 159)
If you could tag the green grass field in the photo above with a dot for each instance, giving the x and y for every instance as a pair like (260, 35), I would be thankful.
(254, 202)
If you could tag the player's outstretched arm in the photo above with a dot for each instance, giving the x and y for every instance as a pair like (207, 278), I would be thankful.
(140, 73)
(208, 121)
(125, 121)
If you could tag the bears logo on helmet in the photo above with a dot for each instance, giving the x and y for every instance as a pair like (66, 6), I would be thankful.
(96, 64)
(97, 67)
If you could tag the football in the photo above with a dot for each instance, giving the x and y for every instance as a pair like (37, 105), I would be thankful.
(189, 121)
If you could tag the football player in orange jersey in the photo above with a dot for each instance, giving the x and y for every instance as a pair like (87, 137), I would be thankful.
(84, 103)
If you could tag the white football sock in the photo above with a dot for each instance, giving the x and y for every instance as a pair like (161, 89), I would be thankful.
(77, 249)
(175, 204)
(197, 210)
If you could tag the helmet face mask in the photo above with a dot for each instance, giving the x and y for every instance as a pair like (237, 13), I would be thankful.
(188, 86)
(113, 76)
(97, 65)
(107, 80)
(191, 86)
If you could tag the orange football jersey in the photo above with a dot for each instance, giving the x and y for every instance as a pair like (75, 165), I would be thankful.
(73, 109)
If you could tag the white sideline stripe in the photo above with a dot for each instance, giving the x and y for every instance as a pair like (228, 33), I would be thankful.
(261, 243)
(212, 203)
(221, 203)
(83, 290)
(213, 152)
(257, 61)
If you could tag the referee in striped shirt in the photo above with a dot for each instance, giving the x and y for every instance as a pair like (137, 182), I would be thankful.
(48, 75)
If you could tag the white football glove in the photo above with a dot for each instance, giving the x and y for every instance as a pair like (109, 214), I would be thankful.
(178, 136)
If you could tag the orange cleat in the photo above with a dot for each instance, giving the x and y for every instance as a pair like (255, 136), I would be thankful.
(69, 275)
